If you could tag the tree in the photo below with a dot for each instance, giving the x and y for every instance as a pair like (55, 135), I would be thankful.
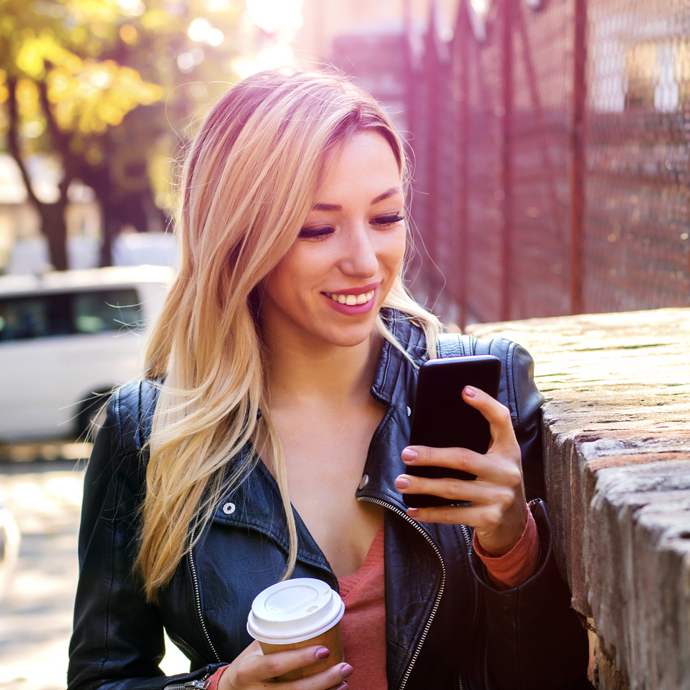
(97, 83)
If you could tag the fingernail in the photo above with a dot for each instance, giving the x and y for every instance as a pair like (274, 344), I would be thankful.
(342, 686)
(346, 670)
(322, 653)
(470, 392)
(402, 482)
(413, 512)
(409, 455)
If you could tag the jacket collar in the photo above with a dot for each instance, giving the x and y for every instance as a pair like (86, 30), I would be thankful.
(256, 503)
(394, 385)
(391, 360)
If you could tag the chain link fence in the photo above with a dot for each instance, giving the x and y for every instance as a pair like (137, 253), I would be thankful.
(551, 157)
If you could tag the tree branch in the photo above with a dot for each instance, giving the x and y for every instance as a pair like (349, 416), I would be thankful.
(60, 140)
(13, 142)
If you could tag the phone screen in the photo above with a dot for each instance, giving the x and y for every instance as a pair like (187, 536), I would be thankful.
(442, 419)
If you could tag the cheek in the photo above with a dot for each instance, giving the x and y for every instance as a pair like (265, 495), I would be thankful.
(295, 273)
(278, 282)
(392, 251)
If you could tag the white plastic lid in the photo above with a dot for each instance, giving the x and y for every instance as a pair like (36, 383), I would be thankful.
(293, 611)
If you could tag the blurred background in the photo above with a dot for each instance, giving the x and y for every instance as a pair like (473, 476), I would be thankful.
(551, 169)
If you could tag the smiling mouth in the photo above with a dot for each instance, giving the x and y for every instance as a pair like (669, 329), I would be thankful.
(351, 300)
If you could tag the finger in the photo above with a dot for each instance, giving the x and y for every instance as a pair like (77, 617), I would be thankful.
(448, 515)
(260, 667)
(497, 414)
(334, 678)
(455, 490)
(497, 532)
(484, 518)
(453, 458)
(498, 524)
(491, 467)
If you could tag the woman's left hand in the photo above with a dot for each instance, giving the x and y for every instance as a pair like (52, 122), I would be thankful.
(497, 511)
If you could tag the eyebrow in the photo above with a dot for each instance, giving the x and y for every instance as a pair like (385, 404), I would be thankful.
(381, 197)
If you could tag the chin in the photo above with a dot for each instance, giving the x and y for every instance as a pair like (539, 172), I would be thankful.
(350, 336)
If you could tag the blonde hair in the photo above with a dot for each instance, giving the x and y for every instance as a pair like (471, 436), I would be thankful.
(249, 181)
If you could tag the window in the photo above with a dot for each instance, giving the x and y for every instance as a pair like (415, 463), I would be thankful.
(41, 316)
(106, 310)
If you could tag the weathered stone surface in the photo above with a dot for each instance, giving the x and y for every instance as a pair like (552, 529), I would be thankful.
(617, 443)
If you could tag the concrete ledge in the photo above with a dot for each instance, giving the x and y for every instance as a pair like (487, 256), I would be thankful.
(617, 443)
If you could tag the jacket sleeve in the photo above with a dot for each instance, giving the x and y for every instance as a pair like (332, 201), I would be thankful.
(535, 638)
(117, 640)
(518, 392)
(524, 401)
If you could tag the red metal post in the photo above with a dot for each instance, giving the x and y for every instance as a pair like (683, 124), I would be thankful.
(506, 156)
(532, 84)
(432, 65)
(409, 67)
(460, 65)
(412, 99)
(577, 163)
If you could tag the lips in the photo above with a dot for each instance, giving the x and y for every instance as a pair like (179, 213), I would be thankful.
(353, 301)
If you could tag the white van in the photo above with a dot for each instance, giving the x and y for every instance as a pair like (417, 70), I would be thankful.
(66, 339)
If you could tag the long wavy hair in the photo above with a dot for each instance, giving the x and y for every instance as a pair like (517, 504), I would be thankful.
(249, 181)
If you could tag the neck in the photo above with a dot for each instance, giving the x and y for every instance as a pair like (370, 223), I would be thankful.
(326, 375)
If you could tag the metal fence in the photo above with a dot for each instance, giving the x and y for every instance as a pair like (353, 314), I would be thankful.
(552, 161)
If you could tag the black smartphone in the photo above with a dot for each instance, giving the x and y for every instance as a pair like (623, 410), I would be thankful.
(442, 419)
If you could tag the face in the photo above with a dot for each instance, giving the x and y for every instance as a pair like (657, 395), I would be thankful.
(329, 287)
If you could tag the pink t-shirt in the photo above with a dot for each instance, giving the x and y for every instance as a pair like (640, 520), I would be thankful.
(364, 622)
(363, 593)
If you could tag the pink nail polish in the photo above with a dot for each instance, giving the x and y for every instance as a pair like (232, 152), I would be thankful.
(409, 455)
(413, 512)
(323, 653)
(346, 670)
(402, 482)
(470, 392)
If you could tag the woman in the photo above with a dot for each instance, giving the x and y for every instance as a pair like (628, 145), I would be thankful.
(268, 438)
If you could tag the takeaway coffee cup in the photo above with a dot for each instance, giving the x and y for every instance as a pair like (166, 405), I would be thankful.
(298, 613)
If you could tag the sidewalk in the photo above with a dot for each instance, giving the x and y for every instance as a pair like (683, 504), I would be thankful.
(36, 614)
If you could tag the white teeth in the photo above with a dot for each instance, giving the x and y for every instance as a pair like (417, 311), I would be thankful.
(351, 300)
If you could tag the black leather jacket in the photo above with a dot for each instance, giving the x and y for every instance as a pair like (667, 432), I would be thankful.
(447, 626)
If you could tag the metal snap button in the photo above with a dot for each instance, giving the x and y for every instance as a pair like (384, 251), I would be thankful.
(363, 481)
(409, 411)
(229, 508)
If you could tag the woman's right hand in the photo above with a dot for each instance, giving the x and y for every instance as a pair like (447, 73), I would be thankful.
(254, 670)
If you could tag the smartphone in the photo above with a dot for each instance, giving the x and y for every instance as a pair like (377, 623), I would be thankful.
(442, 419)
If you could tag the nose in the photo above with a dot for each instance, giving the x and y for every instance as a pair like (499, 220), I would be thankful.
(359, 253)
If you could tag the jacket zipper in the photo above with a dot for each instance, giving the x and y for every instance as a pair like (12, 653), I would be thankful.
(437, 602)
(406, 517)
(468, 542)
(197, 597)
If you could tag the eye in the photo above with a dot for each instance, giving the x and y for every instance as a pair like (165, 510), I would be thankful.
(390, 219)
(315, 233)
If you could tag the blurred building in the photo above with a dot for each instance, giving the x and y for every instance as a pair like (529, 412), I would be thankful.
(327, 20)
(367, 40)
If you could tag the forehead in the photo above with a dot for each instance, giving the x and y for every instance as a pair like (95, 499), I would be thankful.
(366, 161)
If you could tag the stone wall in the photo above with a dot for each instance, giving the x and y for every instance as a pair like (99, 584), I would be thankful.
(617, 442)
